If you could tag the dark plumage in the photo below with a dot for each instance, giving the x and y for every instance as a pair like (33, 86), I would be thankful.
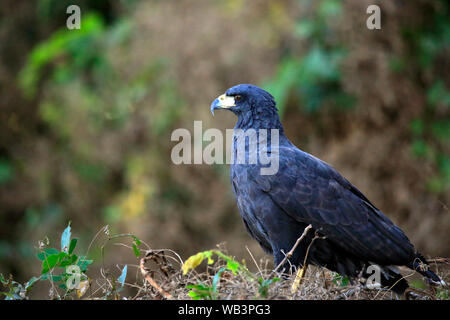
(305, 190)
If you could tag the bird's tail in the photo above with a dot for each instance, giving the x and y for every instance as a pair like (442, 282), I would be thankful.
(420, 265)
(391, 278)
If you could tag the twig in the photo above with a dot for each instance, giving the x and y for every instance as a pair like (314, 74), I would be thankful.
(253, 258)
(439, 260)
(151, 281)
(103, 229)
(309, 246)
(301, 273)
(291, 252)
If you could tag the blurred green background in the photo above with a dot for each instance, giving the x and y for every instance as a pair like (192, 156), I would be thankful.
(86, 115)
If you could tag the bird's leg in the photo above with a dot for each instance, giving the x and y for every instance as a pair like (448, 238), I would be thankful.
(298, 278)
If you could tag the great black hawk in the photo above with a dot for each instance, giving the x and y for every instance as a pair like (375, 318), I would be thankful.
(305, 190)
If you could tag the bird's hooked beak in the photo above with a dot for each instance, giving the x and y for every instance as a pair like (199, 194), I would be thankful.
(222, 102)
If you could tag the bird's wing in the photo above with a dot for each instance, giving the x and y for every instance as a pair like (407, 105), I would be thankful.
(312, 192)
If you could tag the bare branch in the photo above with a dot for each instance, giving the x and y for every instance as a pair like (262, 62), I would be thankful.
(291, 252)
(150, 280)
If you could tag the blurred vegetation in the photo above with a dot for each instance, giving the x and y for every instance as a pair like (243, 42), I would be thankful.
(314, 77)
(432, 127)
(87, 114)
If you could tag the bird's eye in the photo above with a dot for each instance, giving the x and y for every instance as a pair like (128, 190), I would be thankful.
(237, 98)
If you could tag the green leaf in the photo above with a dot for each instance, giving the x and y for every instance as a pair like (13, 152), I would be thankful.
(345, 281)
(47, 252)
(264, 285)
(199, 287)
(74, 258)
(65, 262)
(50, 251)
(83, 263)
(123, 276)
(137, 241)
(232, 266)
(340, 280)
(73, 244)
(136, 251)
(65, 239)
(199, 291)
(208, 255)
(216, 279)
(49, 263)
(56, 278)
(136, 245)
(194, 295)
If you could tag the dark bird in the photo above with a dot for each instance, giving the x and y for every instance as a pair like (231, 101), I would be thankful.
(350, 233)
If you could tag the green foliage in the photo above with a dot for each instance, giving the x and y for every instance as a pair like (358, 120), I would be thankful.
(195, 260)
(340, 280)
(418, 284)
(55, 263)
(314, 78)
(6, 171)
(56, 266)
(430, 142)
(431, 129)
(65, 271)
(76, 45)
(89, 103)
(201, 290)
(15, 290)
(434, 39)
(397, 64)
(438, 95)
(209, 292)
(442, 294)
(135, 246)
(204, 292)
(264, 286)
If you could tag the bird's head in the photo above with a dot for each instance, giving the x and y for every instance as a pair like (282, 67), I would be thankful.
(252, 105)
